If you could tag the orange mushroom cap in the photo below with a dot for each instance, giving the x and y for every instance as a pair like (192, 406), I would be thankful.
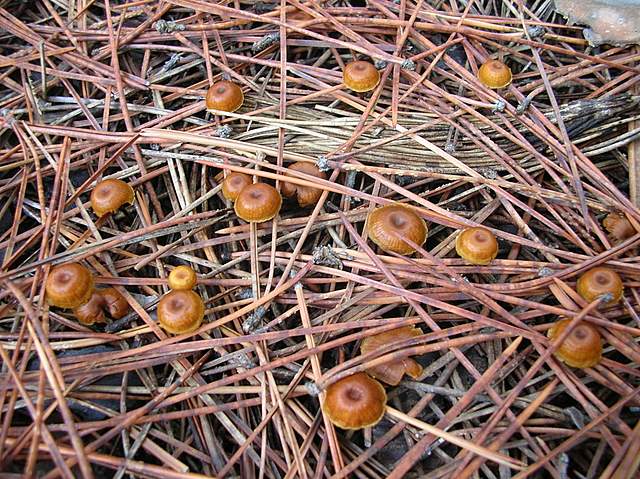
(224, 96)
(180, 311)
(182, 277)
(257, 203)
(306, 195)
(233, 184)
(392, 372)
(91, 312)
(360, 76)
(115, 303)
(388, 225)
(494, 74)
(582, 348)
(598, 282)
(477, 245)
(69, 285)
(618, 226)
(109, 195)
(355, 402)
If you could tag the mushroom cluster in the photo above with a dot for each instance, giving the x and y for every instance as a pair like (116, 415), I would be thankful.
(181, 310)
(71, 286)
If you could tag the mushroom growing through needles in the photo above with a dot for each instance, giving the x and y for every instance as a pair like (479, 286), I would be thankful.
(392, 372)
(355, 402)
(582, 348)
(618, 226)
(360, 76)
(108, 299)
(92, 311)
(109, 195)
(388, 225)
(306, 195)
(257, 203)
(477, 245)
(494, 74)
(180, 311)
(233, 184)
(598, 282)
(224, 96)
(182, 277)
(69, 285)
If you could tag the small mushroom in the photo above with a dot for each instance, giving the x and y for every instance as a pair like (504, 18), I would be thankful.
(600, 281)
(180, 311)
(92, 311)
(388, 225)
(224, 96)
(306, 195)
(392, 372)
(182, 277)
(257, 203)
(115, 303)
(360, 76)
(233, 184)
(494, 74)
(582, 348)
(109, 195)
(618, 226)
(355, 402)
(69, 286)
(477, 245)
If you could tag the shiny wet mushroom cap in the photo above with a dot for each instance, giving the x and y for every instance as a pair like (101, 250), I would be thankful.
(355, 402)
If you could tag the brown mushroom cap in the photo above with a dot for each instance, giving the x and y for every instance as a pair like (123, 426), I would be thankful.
(91, 312)
(180, 311)
(306, 195)
(360, 76)
(109, 195)
(477, 245)
(115, 303)
(388, 225)
(355, 402)
(494, 74)
(224, 96)
(392, 372)
(582, 348)
(233, 184)
(69, 285)
(618, 226)
(257, 203)
(182, 277)
(600, 281)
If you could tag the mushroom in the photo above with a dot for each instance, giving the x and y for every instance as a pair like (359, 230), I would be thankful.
(388, 225)
(91, 312)
(109, 195)
(257, 203)
(360, 76)
(355, 402)
(477, 245)
(392, 372)
(103, 299)
(114, 303)
(494, 74)
(618, 226)
(598, 282)
(182, 277)
(180, 311)
(306, 195)
(69, 286)
(582, 348)
(233, 184)
(224, 96)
